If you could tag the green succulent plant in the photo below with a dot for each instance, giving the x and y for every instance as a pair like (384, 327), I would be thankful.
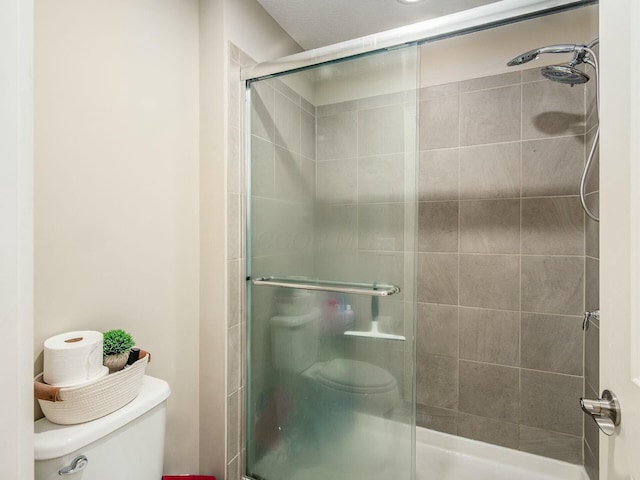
(116, 342)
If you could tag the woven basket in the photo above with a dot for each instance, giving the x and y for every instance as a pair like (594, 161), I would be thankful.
(72, 405)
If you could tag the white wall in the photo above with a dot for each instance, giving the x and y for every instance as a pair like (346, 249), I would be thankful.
(116, 186)
(16, 240)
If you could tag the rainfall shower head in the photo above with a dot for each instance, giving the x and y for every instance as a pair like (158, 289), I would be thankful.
(566, 74)
(533, 54)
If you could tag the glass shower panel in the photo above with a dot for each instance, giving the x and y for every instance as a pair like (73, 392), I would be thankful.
(331, 252)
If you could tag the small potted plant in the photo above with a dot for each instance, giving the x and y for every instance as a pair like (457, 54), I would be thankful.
(116, 346)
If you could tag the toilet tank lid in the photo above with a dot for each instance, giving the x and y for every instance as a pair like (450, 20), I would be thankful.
(53, 441)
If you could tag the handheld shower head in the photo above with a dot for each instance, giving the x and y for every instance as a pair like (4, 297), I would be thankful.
(533, 54)
(566, 74)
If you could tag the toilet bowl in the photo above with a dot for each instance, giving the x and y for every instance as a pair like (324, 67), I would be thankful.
(127, 444)
(338, 384)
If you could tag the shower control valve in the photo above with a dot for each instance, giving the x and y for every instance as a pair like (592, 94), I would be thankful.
(605, 411)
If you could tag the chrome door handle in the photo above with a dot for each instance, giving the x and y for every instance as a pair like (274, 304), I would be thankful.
(79, 463)
(605, 411)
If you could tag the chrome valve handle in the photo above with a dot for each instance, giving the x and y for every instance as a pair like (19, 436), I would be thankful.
(79, 463)
(605, 411)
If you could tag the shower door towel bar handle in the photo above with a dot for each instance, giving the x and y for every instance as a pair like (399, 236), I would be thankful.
(369, 289)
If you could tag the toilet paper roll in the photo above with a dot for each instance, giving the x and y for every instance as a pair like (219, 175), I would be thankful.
(73, 358)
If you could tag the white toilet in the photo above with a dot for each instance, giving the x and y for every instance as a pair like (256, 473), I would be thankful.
(337, 383)
(127, 444)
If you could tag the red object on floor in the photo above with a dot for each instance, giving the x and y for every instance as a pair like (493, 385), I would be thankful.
(188, 477)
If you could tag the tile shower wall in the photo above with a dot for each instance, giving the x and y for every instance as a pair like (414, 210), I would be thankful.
(592, 293)
(363, 216)
(501, 279)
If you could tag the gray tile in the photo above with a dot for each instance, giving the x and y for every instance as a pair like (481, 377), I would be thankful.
(337, 181)
(381, 178)
(593, 178)
(593, 202)
(307, 106)
(438, 227)
(490, 116)
(591, 430)
(336, 136)
(381, 131)
(553, 285)
(489, 391)
(550, 109)
(490, 171)
(381, 226)
(235, 163)
(233, 422)
(490, 226)
(438, 419)
(590, 100)
(381, 100)
(550, 401)
(592, 358)
(438, 278)
(567, 448)
(438, 175)
(287, 123)
(592, 284)
(591, 463)
(488, 430)
(438, 124)
(552, 166)
(437, 330)
(234, 299)
(592, 228)
(281, 227)
(286, 90)
(492, 81)
(263, 110)
(533, 75)
(552, 343)
(380, 267)
(552, 226)
(295, 178)
(436, 91)
(234, 229)
(336, 227)
(234, 363)
(489, 336)
(333, 108)
(437, 381)
(308, 135)
(262, 167)
(490, 281)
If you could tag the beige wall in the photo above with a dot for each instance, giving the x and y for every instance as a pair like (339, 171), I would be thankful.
(116, 186)
(16, 241)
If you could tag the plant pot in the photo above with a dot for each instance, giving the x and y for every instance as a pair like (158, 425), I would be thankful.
(115, 362)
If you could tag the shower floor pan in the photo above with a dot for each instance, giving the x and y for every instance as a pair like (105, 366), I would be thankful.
(440, 456)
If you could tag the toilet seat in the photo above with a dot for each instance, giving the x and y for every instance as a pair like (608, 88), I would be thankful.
(354, 376)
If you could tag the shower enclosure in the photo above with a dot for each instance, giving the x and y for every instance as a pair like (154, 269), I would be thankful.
(332, 253)
(418, 256)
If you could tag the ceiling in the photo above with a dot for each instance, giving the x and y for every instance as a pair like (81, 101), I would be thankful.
(316, 23)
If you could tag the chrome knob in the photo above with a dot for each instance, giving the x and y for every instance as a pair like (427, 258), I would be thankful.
(605, 411)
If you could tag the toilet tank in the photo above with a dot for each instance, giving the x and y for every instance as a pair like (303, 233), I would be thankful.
(294, 341)
(126, 444)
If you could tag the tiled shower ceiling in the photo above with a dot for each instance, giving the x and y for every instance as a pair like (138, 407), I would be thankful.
(316, 23)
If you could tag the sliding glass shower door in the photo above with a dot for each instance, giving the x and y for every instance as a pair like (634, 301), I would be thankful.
(331, 271)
